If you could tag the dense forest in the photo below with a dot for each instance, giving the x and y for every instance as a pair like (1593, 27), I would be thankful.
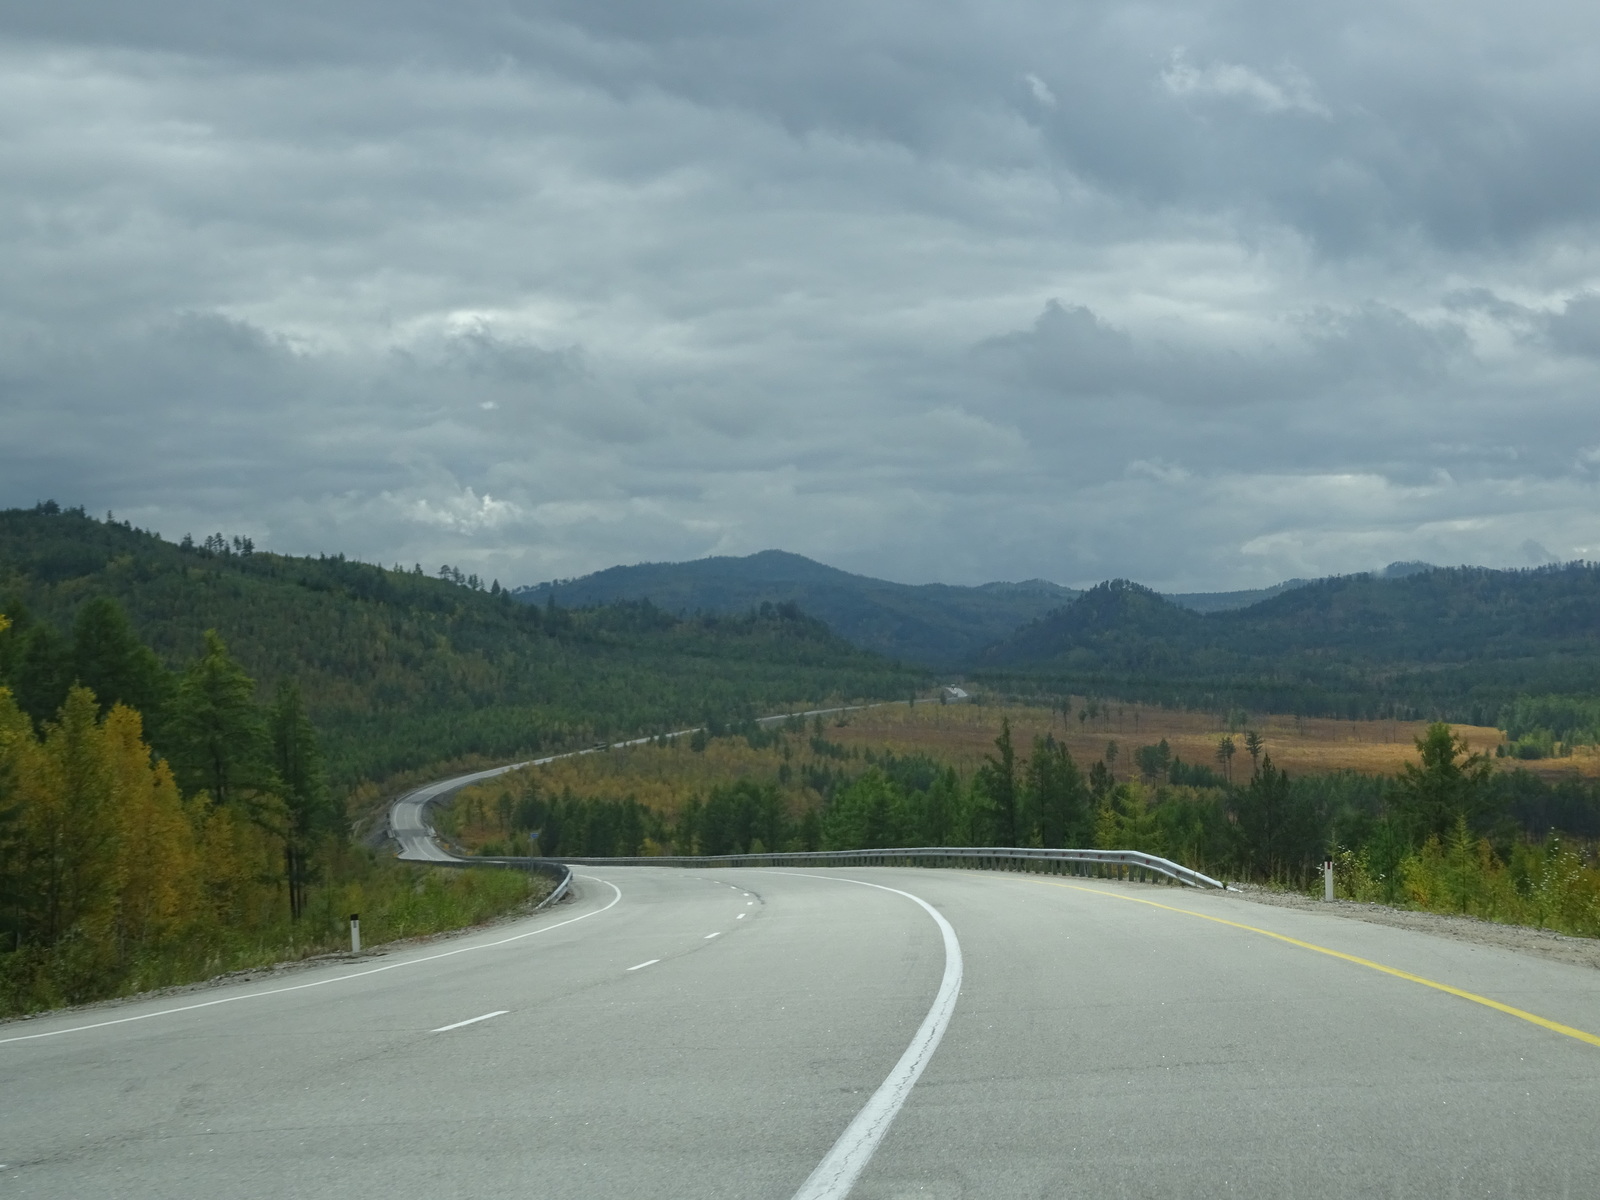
(1460, 644)
(123, 868)
(402, 668)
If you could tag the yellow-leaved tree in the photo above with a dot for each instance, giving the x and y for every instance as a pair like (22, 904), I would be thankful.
(157, 870)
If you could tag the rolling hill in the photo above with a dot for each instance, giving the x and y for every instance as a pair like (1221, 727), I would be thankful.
(401, 670)
(1463, 641)
(934, 624)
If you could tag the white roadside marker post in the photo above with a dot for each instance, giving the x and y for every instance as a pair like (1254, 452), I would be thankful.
(355, 933)
(1327, 879)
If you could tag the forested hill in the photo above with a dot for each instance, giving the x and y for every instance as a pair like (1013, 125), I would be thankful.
(940, 625)
(402, 670)
(1464, 640)
(932, 623)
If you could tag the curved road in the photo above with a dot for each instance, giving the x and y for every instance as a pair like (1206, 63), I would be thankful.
(716, 1033)
(408, 816)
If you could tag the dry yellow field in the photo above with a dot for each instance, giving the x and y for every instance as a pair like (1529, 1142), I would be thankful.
(962, 734)
(664, 777)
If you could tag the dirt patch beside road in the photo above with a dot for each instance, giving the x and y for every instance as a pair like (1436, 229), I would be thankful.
(1583, 952)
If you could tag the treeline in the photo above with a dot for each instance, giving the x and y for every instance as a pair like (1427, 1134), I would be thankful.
(1550, 726)
(136, 853)
(401, 669)
(1394, 839)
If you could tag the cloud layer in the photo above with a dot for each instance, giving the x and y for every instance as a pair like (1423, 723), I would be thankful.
(1206, 295)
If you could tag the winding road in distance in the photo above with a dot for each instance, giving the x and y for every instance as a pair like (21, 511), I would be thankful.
(408, 816)
(881, 1033)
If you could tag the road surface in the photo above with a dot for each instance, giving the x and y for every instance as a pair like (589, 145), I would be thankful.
(714, 1033)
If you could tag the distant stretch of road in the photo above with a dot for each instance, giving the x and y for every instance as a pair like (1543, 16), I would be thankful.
(408, 816)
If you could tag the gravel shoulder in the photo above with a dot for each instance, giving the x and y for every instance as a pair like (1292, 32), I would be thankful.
(1582, 952)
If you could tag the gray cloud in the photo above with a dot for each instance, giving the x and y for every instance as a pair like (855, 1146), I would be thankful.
(1576, 328)
(1203, 294)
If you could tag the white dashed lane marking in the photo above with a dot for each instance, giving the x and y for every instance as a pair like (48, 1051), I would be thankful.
(471, 1021)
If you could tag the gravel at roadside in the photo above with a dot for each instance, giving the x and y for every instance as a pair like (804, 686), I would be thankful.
(1583, 952)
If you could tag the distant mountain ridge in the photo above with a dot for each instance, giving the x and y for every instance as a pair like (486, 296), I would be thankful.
(932, 623)
(1456, 639)
(935, 624)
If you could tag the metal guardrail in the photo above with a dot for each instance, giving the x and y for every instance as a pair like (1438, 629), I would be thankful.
(557, 870)
(1130, 864)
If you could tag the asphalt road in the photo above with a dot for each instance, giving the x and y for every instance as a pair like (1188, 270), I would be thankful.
(412, 830)
(410, 825)
(1100, 1046)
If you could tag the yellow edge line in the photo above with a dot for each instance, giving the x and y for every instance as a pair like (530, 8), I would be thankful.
(1542, 1022)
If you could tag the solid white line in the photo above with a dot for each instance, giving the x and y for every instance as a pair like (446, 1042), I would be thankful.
(470, 1021)
(647, 963)
(837, 1173)
(300, 987)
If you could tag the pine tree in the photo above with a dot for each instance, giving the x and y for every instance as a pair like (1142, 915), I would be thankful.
(1263, 811)
(219, 740)
(110, 660)
(1449, 783)
(1056, 794)
(42, 675)
(1225, 752)
(303, 788)
(1253, 746)
(998, 780)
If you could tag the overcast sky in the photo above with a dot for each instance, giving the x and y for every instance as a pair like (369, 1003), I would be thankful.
(1203, 294)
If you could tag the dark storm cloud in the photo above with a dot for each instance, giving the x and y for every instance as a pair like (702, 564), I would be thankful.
(1204, 294)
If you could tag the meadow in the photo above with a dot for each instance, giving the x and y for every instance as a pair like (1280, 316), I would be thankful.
(805, 761)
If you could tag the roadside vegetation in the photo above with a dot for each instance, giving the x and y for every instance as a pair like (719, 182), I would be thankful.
(1448, 829)
(123, 870)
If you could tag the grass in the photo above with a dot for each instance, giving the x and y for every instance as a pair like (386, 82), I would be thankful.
(962, 734)
(395, 900)
(663, 777)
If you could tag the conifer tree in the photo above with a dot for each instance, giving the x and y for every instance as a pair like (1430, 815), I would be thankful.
(998, 780)
(219, 740)
(157, 869)
(1057, 795)
(110, 660)
(303, 788)
(1451, 782)
(71, 827)
(43, 671)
